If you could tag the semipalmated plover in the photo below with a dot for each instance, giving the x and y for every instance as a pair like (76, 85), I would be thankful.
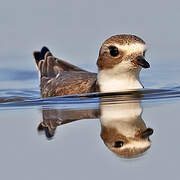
(123, 129)
(120, 60)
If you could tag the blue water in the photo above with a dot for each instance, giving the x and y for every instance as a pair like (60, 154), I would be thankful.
(62, 135)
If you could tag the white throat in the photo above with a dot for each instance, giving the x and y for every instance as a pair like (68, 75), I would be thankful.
(120, 78)
(124, 117)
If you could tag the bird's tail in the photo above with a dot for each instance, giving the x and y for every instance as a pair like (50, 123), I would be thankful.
(50, 66)
(45, 62)
(40, 55)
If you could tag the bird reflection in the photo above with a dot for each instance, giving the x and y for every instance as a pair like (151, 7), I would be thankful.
(56, 117)
(122, 127)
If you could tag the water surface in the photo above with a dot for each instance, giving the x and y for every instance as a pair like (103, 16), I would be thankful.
(80, 136)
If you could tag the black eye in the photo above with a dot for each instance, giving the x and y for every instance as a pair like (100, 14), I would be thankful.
(118, 144)
(113, 51)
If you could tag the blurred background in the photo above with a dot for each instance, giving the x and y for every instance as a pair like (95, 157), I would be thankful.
(75, 30)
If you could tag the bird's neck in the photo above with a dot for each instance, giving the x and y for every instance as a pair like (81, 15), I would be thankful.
(113, 80)
(124, 117)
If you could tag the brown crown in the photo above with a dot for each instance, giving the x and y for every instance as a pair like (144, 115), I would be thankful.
(124, 39)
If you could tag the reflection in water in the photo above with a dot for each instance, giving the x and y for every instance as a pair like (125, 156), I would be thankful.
(122, 127)
(56, 117)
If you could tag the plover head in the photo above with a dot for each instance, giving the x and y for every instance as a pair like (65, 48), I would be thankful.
(120, 60)
(124, 145)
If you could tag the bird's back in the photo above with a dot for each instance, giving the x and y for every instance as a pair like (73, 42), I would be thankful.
(59, 78)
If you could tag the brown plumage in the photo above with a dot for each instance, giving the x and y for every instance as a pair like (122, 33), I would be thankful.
(111, 135)
(59, 78)
(52, 118)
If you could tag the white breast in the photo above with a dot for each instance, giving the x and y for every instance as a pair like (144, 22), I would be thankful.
(119, 78)
(115, 85)
(124, 117)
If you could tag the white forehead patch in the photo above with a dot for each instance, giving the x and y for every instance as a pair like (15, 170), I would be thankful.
(137, 144)
(132, 48)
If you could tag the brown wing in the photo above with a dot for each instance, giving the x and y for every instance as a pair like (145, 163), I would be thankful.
(60, 78)
(66, 83)
(52, 118)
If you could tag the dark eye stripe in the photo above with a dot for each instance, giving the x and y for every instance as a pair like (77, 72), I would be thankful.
(113, 51)
(144, 53)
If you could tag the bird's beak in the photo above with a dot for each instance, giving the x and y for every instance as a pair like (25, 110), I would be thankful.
(140, 60)
(147, 133)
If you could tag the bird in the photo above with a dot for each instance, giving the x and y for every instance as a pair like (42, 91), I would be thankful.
(120, 60)
(123, 130)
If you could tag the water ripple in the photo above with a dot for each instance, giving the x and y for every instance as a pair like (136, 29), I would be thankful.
(31, 98)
